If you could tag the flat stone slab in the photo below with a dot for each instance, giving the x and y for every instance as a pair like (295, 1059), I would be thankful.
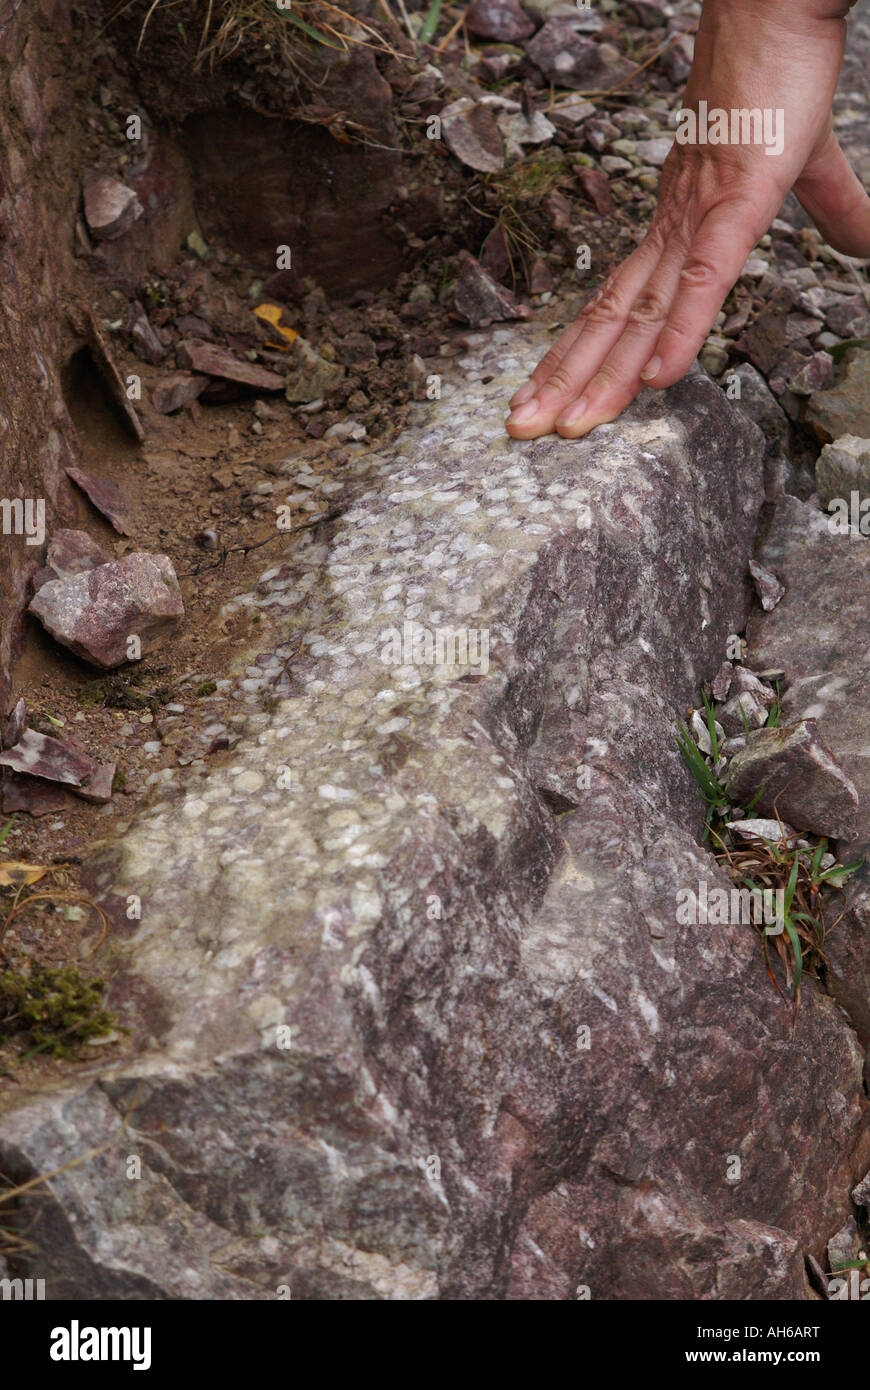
(412, 1012)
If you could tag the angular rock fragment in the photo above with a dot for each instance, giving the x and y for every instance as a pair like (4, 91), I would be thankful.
(310, 377)
(15, 725)
(143, 339)
(567, 58)
(845, 407)
(791, 771)
(504, 21)
(176, 390)
(767, 586)
(722, 681)
(656, 151)
(843, 467)
(98, 787)
(677, 60)
(814, 374)
(749, 683)
(759, 829)
(96, 614)
(849, 317)
(69, 552)
(478, 299)
(740, 707)
(111, 207)
(41, 756)
(596, 186)
(29, 796)
(105, 364)
(763, 342)
(106, 497)
(471, 133)
(571, 112)
(200, 356)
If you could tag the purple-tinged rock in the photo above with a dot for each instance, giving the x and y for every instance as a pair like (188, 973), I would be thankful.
(176, 390)
(68, 553)
(649, 13)
(143, 339)
(767, 586)
(472, 134)
(677, 60)
(111, 207)
(568, 59)
(596, 186)
(790, 770)
(742, 710)
(478, 299)
(849, 317)
(845, 407)
(843, 468)
(764, 340)
(106, 497)
(30, 796)
(504, 21)
(96, 614)
(98, 787)
(200, 356)
(722, 681)
(106, 366)
(15, 725)
(816, 373)
(41, 756)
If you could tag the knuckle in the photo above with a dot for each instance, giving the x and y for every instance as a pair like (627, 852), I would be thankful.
(560, 380)
(606, 378)
(604, 310)
(698, 273)
(649, 309)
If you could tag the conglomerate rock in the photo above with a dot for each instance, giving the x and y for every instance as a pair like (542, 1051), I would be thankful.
(413, 1014)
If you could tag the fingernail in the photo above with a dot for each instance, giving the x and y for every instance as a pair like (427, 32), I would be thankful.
(523, 412)
(574, 412)
(652, 368)
(525, 393)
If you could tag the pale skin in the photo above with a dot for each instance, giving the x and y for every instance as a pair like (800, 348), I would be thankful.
(647, 324)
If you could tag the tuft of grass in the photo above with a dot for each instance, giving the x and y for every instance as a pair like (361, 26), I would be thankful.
(711, 789)
(764, 865)
(226, 27)
(768, 865)
(52, 1011)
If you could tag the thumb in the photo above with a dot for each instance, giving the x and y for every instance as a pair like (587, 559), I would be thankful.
(833, 195)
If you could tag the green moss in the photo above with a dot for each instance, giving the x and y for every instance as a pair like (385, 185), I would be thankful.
(52, 1011)
(121, 692)
(207, 688)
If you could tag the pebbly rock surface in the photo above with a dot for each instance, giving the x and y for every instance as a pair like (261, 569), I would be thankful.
(95, 614)
(412, 1014)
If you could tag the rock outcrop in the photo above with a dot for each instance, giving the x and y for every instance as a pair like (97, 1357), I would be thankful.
(819, 633)
(412, 1013)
